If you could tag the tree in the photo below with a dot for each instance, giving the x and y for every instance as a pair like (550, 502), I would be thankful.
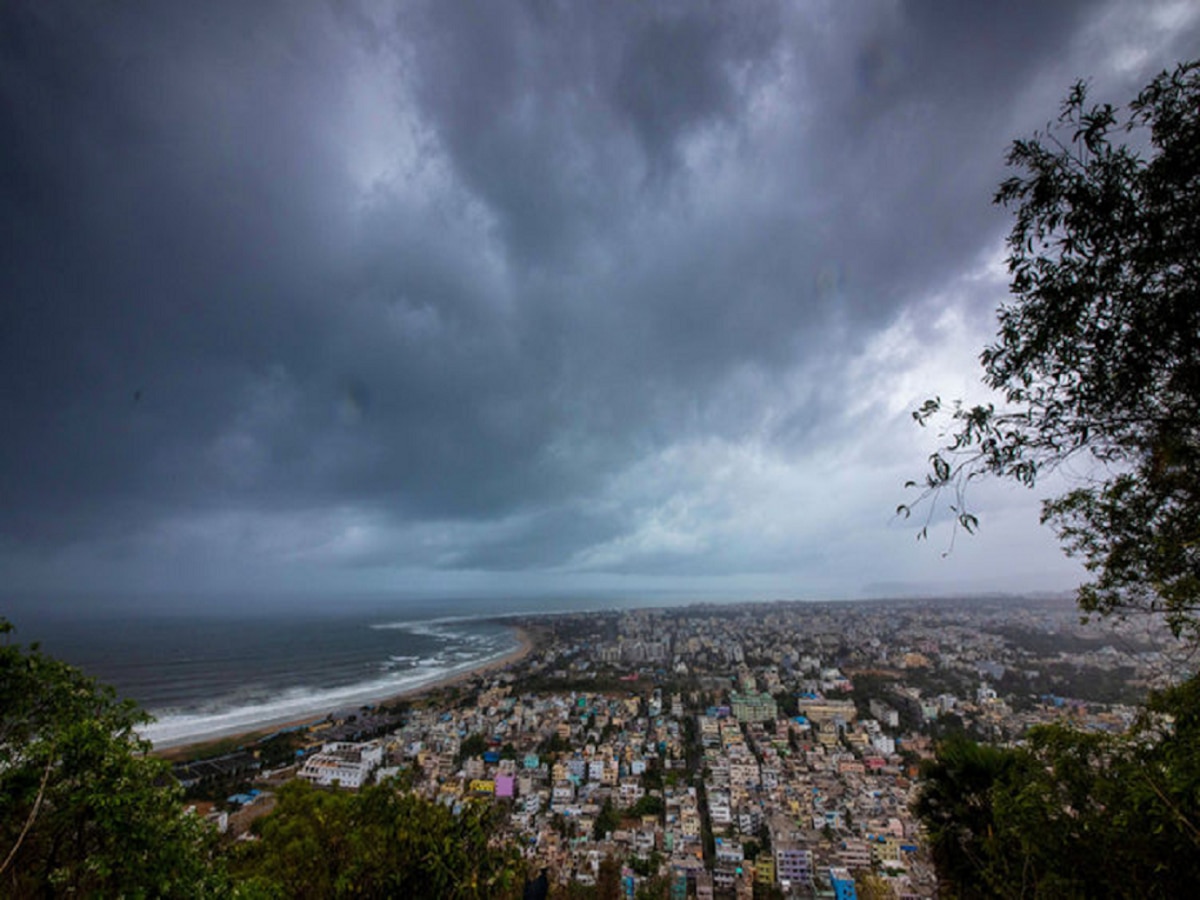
(608, 879)
(1070, 813)
(607, 820)
(279, 750)
(870, 886)
(1098, 352)
(657, 887)
(956, 805)
(648, 805)
(472, 745)
(375, 843)
(83, 808)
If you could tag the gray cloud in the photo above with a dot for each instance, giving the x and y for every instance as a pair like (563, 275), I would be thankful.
(534, 287)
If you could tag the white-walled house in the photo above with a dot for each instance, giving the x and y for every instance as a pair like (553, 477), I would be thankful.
(348, 764)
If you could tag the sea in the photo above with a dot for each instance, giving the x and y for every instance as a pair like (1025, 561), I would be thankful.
(205, 667)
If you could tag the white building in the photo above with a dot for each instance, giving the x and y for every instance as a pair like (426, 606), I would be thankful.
(884, 744)
(345, 763)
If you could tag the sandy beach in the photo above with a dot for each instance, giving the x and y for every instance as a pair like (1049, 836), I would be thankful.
(525, 646)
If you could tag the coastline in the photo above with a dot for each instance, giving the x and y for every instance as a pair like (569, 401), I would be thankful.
(185, 749)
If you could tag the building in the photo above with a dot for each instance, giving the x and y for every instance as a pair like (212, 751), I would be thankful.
(764, 869)
(752, 707)
(855, 854)
(341, 762)
(793, 867)
(843, 884)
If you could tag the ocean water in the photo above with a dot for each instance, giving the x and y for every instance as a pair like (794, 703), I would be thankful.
(211, 666)
(203, 672)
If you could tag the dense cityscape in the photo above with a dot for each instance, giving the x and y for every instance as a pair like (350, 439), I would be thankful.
(719, 750)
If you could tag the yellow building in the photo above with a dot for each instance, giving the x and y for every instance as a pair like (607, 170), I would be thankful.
(764, 869)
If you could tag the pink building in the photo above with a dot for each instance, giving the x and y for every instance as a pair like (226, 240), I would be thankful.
(504, 785)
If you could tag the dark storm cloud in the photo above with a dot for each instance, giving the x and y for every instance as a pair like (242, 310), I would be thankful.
(915, 107)
(475, 277)
(163, 218)
(555, 114)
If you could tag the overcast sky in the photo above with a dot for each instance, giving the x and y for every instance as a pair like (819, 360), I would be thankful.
(514, 298)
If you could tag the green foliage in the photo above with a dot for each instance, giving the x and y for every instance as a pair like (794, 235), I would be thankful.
(608, 879)
(764, 837)
(564, 826)
(870, 886)
(473, 745)
(788, 704)
(1072, 813)
(280, 750)
(607, 820)
(648, 805)
(575, 890)
(1098, 352)
(376, 843)
(652, 778)
(870, 686)
(83, 808)
(648, 866)
(955, 804)
(553, 744)
(657, 887)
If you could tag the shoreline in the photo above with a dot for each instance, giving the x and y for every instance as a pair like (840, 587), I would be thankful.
(184, 749)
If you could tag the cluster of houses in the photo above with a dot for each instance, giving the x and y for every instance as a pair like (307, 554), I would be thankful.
(720, 748)
(649, 781)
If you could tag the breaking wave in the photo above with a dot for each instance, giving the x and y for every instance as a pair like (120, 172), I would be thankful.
(252, 705)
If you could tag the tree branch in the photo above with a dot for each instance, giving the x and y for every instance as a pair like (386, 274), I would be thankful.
(37, 803)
